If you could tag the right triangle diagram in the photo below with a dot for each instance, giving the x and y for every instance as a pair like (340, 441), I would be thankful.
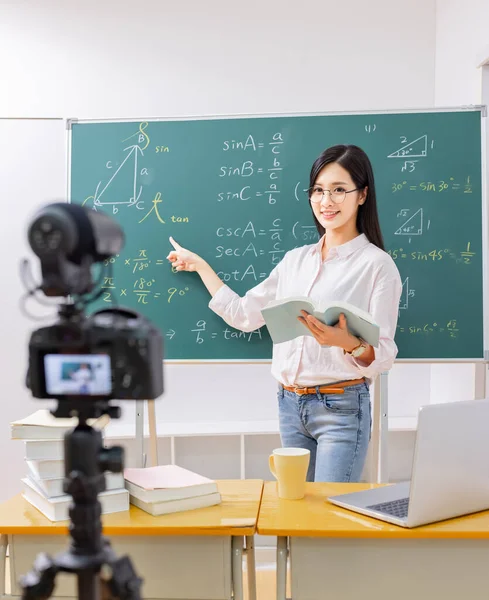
(404, 302)
(415, 149)
(413, 226)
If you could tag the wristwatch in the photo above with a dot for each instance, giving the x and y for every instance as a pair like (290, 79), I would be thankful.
(358, 350)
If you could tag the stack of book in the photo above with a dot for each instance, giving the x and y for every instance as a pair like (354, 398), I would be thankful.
(43, 437)
(169, 489)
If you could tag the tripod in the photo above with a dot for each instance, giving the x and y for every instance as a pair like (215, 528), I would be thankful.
(90, 555)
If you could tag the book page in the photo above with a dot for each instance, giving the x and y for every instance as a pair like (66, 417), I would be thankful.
(347, 307)
(357, 325)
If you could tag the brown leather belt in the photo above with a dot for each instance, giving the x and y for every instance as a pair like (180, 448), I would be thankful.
(332, 388)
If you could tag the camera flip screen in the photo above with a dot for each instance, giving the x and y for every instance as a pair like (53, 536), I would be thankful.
(77, 374)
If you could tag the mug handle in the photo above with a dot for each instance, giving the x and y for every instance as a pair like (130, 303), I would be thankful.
(271, 464)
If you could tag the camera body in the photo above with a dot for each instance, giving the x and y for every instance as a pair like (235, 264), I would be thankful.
(114, 353)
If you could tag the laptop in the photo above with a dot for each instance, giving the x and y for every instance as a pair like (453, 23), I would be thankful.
(450, 472)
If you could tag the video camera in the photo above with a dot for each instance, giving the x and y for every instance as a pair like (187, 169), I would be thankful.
(84, 362)
(113, 353)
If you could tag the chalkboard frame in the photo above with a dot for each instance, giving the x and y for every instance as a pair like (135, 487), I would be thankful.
(484, 196)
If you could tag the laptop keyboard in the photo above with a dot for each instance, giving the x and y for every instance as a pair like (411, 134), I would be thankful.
(396, 508)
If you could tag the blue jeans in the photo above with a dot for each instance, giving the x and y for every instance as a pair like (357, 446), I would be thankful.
(334, 427)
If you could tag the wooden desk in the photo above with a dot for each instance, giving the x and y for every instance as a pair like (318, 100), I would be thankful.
(191, 555)
(340, 554)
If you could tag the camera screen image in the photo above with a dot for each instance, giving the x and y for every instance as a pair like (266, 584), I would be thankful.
(78, 374)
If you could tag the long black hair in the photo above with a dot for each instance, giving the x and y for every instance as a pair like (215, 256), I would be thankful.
(356, 162)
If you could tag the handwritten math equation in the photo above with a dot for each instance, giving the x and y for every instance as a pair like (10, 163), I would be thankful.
(449, 329)
(249, 240)
(435, 255)
(202, 334)
(266, 174)
(143, 288)
(434, 187)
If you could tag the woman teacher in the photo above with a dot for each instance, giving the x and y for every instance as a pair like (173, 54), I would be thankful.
(323, 396)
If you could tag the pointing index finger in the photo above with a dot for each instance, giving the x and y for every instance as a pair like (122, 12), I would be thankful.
(175, 244)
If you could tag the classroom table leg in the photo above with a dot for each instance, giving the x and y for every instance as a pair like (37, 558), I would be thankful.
(250, 561)
(282, 568)
(237, 567)
(3, 560)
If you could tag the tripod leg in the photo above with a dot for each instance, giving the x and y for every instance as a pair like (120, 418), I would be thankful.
(123, 582)
(39, 583)
(88, 585)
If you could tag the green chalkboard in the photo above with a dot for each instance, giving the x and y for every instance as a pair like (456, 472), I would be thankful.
(232, 190)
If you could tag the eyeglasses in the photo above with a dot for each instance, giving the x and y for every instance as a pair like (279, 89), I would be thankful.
(338, 195)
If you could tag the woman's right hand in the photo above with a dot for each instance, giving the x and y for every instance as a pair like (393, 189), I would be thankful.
(183, 259)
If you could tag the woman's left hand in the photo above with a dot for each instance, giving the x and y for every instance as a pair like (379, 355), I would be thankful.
(330, 336)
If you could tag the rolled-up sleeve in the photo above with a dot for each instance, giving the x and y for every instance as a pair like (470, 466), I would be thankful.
(384, 309)
(244, 313)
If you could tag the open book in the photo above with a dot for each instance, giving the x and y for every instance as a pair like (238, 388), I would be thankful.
(283, 325)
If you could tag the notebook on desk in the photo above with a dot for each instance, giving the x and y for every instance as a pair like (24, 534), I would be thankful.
(450, 473)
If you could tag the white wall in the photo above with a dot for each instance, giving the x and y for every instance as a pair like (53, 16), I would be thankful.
(462, 33)
(31, 173)
(155, 58)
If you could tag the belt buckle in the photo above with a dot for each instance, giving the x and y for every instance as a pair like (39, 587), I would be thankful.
(300, 391)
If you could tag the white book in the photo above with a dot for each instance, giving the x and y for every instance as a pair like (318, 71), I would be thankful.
(46, 469)
(44, 449)
(56, 509)
(173, 506)
(283, 325)
(52, 488)
(166, 482)
(42, 425)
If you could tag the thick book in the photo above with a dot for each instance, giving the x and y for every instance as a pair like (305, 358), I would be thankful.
(46, 469)
(283, 325)
(56, 509)
(166, 482)
(44, 449)
(52, 488)
(173, 506)
(41, 425)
